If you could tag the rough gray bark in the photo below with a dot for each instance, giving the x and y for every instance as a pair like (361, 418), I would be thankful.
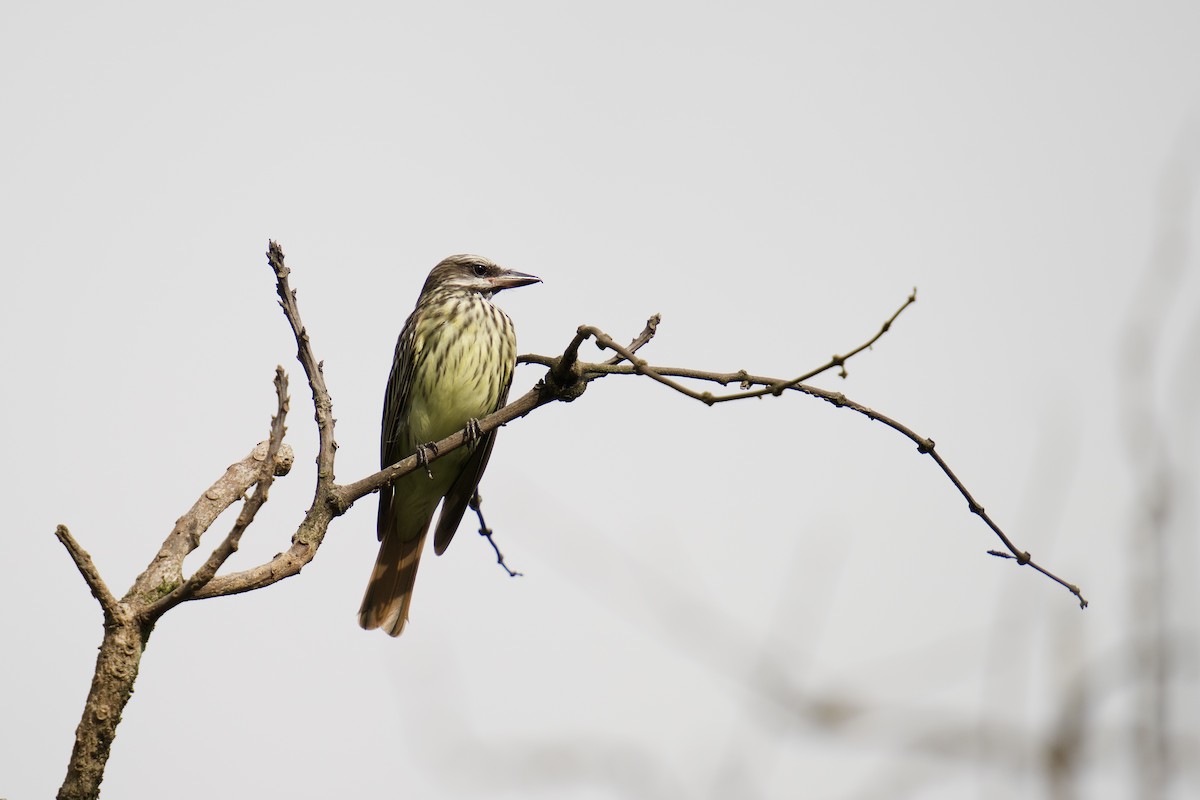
(112, 685)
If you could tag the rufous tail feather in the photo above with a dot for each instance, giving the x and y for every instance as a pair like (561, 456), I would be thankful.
(385, 604)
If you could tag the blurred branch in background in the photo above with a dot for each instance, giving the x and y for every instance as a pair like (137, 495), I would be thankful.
(1159, 395)
(1150, 678)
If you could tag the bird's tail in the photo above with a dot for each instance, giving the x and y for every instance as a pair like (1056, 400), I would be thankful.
(385, 605)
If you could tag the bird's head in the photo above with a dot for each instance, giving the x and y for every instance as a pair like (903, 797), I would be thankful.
(475, 274)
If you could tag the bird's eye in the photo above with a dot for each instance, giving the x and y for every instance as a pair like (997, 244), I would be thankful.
(480, 270)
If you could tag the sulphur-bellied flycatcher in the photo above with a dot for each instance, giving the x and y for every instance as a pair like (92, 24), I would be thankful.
(453, 365)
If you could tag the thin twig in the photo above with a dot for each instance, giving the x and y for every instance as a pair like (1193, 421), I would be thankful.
(926, 446)
(840, 361)
(642, 338)
(570, 355)
(775, 387)
(476, 504)
(641, 366)
(91, 575)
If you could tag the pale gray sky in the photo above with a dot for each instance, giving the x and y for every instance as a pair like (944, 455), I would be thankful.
(772, 178)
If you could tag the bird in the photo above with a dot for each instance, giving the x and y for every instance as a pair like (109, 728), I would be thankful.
(453, 365)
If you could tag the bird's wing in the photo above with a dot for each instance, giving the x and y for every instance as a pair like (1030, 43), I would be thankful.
(463, 489)
(395, 440)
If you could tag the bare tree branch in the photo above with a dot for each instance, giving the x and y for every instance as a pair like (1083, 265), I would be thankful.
(161, 586)
(642, 338)
(164, 573)
(130, 621)
(326, 504)
(775, 387)
(313, 368)
(91, 575)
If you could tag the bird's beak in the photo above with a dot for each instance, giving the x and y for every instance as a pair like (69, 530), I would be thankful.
(511, 279)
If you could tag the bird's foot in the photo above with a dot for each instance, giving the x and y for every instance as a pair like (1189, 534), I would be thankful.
(472, 431)
(423, 456)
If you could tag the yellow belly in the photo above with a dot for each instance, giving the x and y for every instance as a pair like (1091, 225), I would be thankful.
(462, 368)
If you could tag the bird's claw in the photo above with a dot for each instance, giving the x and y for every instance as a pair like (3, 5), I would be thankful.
(472, 432)
(423, 456)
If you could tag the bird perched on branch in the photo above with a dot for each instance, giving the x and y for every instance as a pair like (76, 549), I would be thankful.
(453, 365)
